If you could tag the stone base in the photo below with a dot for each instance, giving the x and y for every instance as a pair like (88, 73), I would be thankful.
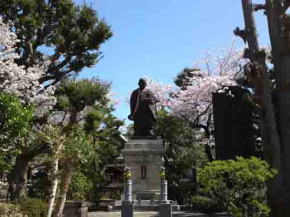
(144, 158)
(147, 205)
(165, 210)
(75, 209)
(147, 195)
(127, 209)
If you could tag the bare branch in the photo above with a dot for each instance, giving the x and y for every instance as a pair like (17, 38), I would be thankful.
(241, 33)
(202, 113)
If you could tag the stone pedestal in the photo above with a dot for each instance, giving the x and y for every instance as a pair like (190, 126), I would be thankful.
(75, 209)
(144, 158)
(127, 209)
(165, 210)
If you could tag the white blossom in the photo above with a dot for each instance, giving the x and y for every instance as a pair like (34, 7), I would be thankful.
(17, 80)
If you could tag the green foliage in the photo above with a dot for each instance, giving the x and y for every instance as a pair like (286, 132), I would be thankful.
(15, 118)
(73, 34)
(81, 187)
(87, 184)
(91, 127)
(4, 166)
(87, 181)
(77, 146)
(32, 207)
(9, 210)
(92, 135)
(237, 184)
(74, 95)
(204, 204)
(183, 154)
(182, 80)
(15, 123)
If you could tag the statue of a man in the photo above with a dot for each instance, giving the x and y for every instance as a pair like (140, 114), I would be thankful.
(143, 110)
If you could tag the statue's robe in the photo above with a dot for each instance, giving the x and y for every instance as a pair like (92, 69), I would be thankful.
(143, 111)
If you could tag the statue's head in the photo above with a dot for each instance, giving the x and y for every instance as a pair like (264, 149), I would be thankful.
(142, 83)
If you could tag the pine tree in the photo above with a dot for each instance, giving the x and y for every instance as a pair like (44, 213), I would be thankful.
(58, 30)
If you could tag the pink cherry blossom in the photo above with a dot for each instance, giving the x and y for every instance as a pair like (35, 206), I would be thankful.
(194, 103)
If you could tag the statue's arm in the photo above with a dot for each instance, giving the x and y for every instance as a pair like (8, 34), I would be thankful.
(132, 102)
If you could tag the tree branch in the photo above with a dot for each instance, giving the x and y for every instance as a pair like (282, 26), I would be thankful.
(286, 5)
(60, 65)
(242, 33)
(258, 7)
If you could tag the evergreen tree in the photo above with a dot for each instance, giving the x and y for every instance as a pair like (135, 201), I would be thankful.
(183, 79)
(184, 154)
(90, 129)
(67, 35)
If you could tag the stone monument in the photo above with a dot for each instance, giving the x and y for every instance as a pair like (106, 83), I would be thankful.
(143, 152)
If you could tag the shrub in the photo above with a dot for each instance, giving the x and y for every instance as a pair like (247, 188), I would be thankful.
(32, 207)
(81, 187)
(237, 185)
(205, 204)
(10, 210)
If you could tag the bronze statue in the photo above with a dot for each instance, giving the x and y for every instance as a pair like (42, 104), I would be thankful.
(143, 110)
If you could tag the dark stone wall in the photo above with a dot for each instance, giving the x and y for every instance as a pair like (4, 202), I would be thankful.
(233, 124)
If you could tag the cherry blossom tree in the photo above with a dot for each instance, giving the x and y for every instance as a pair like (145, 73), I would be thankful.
(23, 83)
(213, 73)
(18, 80)
(191, 99)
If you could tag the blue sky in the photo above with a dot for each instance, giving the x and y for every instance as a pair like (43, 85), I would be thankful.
(158, 38)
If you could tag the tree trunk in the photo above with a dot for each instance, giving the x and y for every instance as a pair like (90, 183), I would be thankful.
(263, 90)
(18, 178)
(54, 175)
(279, 36)
(54, 184)
(270, 134)
(64, 186)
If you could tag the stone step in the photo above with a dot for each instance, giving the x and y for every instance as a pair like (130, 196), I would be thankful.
(118, 214)
(154, 214)
(145, 202)
(146, 205)
(147, 208)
